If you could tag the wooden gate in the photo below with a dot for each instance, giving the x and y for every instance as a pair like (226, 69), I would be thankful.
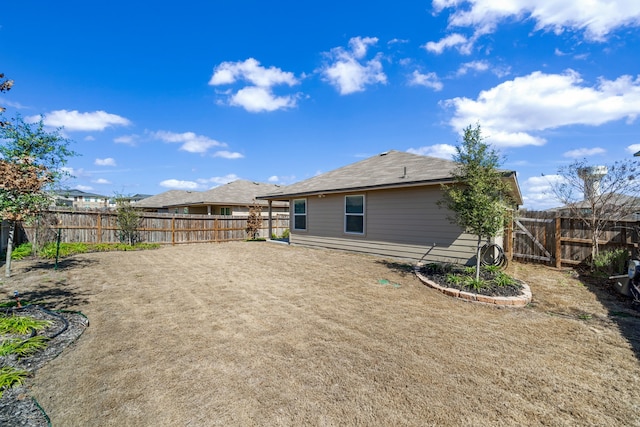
(534, 238)
(545, 237)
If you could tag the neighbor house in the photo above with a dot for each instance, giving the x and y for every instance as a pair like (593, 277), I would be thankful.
(234, 198)
(384, 205)
(81, 199)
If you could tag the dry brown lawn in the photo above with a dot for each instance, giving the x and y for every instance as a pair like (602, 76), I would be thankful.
(264, 334)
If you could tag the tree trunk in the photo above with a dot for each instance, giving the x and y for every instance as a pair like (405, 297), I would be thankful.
(478, 258)
(12, 228)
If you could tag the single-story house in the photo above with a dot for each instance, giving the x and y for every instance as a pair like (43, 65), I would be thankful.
(234, 198)
(384, 205)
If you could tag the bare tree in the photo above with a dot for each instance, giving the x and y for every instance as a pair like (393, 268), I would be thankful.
(254, 222)
(599, 194)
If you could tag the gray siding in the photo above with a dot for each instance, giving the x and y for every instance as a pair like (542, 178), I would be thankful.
(403, 223)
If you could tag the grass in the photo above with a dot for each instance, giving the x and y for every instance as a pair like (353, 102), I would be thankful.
(67, 249)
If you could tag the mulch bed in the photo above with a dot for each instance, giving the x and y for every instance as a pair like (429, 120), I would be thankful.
(438, 273)
(17, 407)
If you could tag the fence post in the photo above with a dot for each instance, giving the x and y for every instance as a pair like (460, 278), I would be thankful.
(173, 230)
(99, 237)
(509, 241)
(558, 237)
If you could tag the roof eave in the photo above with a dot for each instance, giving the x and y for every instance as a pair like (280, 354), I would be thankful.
(287, 196)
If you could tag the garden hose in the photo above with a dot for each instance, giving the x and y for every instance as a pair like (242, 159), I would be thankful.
(493, 254)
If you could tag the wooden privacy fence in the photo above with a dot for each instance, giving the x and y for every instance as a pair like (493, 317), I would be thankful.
(101, 227)
(545, 237)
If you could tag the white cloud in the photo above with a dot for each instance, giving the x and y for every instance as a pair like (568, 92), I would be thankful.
(463, 44)
(251, 71)
(596, 18)
(101, 181)
(258, 96)
(512, 112)
(444, 151)
(584, 152)
(76, 121)
(105, 162)
(429, 80)
(633, 148)
(473, 65)
(179, 185)
(83, 188)
(191, 142)
(219, 180)
(89, 138)
(538, 192)
(127, 139)
(228, 155)
(348, 72)
(256, 99)
(273, 178)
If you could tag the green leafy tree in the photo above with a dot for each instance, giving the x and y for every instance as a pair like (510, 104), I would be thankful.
(128, 219)
(31, 161)
(479, 198)
(5, 86)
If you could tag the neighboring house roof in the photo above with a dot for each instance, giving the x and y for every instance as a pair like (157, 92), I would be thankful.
(391, 169)
(168, 198)
(77, 193)
(239, 192)
(611, 200)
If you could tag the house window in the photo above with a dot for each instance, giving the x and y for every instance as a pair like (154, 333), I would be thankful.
(354, 214)
(300, 214)
(225, 211)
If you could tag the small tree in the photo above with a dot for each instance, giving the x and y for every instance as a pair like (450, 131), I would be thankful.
(254, 222)
(31, 161)
(128, 220)
(5, 86)
(598, 195)
(479, 197)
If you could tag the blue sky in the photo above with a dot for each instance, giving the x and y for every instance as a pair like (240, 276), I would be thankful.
(190, 95)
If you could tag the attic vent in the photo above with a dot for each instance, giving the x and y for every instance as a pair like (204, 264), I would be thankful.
(404, 172)
(384, 154)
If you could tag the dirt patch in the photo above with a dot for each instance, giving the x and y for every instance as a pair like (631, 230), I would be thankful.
(266, 334)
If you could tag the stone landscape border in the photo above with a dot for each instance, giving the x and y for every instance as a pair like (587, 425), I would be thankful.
(518, 301)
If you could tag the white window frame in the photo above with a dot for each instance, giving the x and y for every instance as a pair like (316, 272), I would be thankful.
(347, 214)
(299, 214)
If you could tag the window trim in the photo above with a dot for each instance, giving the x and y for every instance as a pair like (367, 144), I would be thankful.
(306, 225)
(347, 214)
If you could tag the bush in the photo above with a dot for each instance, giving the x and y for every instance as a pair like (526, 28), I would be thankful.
(21, 252)
(611, 262)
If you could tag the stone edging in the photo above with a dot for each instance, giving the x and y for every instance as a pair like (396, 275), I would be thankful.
(519, 301)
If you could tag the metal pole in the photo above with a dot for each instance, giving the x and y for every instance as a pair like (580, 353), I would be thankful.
(58, 248)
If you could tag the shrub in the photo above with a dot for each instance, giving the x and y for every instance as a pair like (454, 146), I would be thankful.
(10, 376)
(22, 251)
(611, 262)
(502, 279)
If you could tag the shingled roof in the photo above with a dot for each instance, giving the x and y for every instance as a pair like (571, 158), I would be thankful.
(168, 198)
(387, 170)
(239, 192)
